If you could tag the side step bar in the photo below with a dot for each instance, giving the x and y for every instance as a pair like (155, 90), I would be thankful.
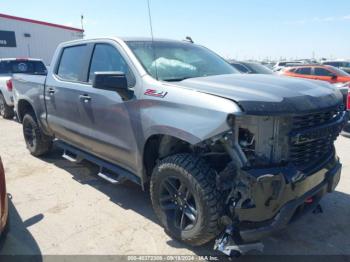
(110, 176)
(109, 172)
(71, 157)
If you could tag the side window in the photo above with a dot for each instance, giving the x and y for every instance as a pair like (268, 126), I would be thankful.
(72, 62)
(322, 72)
(304, 71)
(107, 58)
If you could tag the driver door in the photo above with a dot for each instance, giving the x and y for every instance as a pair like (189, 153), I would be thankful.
(108, 116)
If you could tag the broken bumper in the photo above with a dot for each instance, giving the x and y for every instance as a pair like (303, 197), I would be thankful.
(289, 202)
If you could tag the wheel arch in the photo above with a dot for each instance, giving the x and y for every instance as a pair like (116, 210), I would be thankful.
(159, 146)
(23, 107)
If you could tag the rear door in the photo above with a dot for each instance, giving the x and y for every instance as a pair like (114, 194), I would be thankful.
(63, 95)
(304, 72)
(107, 116)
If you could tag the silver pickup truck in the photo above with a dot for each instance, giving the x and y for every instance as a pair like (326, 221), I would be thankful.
(226, 155)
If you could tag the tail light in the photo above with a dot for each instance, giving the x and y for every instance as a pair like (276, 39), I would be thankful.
(9, 85)
(348, 101)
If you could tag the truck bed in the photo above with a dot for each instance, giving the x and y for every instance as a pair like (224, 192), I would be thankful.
(30, 88)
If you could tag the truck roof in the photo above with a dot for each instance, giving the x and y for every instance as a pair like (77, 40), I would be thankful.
(20, 59)
(122, 39)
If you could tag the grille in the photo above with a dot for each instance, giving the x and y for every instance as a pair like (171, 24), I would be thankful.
(305, 155)
(307, 152)
(311, 120)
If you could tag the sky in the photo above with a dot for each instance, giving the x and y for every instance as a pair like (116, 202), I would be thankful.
(239, 29)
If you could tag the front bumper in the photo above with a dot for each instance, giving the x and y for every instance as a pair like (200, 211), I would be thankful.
(295, 199)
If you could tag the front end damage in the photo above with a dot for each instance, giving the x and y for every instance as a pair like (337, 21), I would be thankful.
(279, 167)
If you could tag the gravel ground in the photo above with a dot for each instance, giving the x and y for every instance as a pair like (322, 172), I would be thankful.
(62, 208)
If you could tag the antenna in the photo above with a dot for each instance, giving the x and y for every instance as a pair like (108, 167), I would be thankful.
(82, 21)
(151, 27)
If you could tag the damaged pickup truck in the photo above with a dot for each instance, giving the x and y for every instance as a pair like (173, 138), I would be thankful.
(227, 156)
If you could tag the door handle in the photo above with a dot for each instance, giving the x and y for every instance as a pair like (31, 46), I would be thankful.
(51, 91)
(85, 98)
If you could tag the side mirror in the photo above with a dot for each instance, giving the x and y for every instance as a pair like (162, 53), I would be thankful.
(334, 77)
(113, 81)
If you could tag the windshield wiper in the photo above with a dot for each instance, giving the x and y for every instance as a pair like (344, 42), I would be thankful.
(176, 79)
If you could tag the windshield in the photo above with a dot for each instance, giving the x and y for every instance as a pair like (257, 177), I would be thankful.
(23, 67)
(339, 72)
(258, 68)
(176, 61)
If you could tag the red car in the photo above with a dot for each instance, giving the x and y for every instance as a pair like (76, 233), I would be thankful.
(3, 201)
(346, 130)
(318, 72)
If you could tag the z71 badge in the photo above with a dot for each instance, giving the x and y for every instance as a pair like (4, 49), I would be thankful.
(152, 92)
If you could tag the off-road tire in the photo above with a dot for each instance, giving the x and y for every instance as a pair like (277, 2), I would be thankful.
(41, 144)
(201, 180)
(6, 111)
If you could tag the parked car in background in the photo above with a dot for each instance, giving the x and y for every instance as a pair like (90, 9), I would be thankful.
(318, 72)
(3, 202)
(343, 65)
(251, 68)
(344, 89)
(8, 67)
(283, 64)
(346, 129)
(268, 64)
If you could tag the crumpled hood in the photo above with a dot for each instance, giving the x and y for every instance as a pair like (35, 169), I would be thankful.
(269, 94)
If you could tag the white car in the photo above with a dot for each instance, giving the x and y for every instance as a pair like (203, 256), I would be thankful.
(8, 67)
(281, 65)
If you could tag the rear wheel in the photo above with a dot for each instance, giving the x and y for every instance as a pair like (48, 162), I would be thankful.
(5, 110)
(37, 142)
(185, 199)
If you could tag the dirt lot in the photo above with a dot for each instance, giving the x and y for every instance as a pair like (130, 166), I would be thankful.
(61, 208)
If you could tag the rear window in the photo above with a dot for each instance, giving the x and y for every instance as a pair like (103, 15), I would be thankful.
(23, 67)
(72, 63)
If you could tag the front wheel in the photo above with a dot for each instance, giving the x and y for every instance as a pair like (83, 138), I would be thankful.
(37, 142)
(185, 199)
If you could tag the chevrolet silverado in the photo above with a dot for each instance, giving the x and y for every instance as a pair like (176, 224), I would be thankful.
(226, 155)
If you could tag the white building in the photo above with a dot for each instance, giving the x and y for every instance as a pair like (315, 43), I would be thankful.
(22, 37)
